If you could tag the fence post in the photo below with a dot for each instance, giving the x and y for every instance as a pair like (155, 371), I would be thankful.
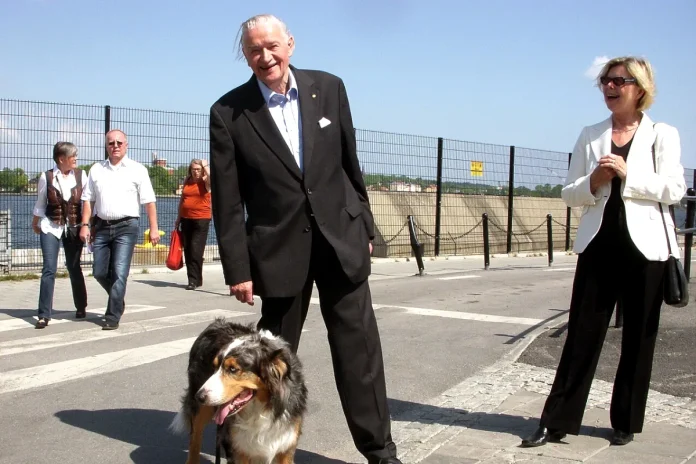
(486, 245)
(511, 196)
(567, 231)
(438, 197)
(107, 127)
(416, 245)
(549, 235)
(689, 238)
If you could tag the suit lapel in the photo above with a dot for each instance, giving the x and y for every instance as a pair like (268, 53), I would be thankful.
(260, 117)
(644, 137)
(309, 109)
(601, 141)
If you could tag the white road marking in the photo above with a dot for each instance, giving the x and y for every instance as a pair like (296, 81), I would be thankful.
(26, 322)
(458, 277)
(128, 328)
(465, 316)
(89, 366)
(552, 269)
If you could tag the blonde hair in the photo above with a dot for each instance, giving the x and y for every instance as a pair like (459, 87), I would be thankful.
(254, 22)
(641, 70)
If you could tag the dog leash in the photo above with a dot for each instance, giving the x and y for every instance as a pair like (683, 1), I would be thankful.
(217, 445)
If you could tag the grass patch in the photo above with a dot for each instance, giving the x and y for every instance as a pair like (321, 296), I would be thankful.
(29, 276)
(144, 271)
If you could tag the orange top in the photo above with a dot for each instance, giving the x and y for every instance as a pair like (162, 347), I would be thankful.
(195, 201)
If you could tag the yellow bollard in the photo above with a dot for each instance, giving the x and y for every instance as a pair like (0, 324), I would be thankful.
(147, 254)
(146, 240)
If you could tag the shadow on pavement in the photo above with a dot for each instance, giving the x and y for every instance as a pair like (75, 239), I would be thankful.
(164, 284)
(148, 430)
(490, 422)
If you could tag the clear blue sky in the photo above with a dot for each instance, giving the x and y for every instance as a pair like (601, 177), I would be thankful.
(504, 72)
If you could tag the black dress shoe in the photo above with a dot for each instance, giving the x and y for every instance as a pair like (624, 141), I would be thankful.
(190, 287)
(81, 314)
(621, 438)
(108, 325)
(541, 436)
(385, 461)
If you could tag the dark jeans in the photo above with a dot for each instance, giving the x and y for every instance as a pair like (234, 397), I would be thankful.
(194, 233)
(113, 249)
(50, 245)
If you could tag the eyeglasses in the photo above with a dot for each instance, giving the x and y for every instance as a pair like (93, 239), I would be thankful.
(618, 81)
(115, 143)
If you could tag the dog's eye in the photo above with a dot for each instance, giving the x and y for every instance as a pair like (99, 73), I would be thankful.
(231, 369)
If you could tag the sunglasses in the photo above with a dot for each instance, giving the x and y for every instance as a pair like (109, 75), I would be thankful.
(115, 143)
(618, 81)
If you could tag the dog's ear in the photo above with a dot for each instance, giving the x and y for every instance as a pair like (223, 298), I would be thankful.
(278, 367)
(276, 370)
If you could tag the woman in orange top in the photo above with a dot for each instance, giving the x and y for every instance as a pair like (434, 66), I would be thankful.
(194, 217)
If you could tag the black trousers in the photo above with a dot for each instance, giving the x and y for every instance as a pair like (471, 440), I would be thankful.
(195, 235)
(354, 341)
(611, 267)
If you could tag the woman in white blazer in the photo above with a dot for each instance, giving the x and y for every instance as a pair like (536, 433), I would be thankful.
(622, 251)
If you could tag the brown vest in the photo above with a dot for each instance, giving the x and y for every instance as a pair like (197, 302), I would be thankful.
(57, 209)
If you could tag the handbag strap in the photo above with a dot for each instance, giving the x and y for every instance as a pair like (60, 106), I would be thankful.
(662, 214)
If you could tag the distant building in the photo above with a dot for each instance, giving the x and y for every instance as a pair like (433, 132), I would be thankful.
(404, 187)
(32, 186)
(432, 188)
(161, 162)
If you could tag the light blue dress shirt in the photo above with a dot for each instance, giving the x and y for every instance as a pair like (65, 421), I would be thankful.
(285, 111)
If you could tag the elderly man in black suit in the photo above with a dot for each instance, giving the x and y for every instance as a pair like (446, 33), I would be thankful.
(282, 145)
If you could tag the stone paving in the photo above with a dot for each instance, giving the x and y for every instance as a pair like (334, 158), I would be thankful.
(482, 420)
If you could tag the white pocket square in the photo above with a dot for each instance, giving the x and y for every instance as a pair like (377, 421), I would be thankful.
(323, 122)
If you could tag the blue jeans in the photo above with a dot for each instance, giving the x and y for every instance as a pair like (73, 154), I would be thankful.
(50, 245)
(113, 249)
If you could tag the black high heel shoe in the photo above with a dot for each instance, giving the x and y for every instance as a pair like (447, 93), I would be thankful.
(541, 436)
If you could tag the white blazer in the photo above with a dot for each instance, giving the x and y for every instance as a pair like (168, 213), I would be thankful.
(641, 191)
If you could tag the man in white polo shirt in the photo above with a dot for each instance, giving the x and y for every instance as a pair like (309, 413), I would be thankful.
(115, 190)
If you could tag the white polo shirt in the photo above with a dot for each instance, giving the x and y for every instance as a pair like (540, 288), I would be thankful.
(118, 191)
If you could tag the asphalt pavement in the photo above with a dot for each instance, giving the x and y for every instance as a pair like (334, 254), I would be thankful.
(72, 393)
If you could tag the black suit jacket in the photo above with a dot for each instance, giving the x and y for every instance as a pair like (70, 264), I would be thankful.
(252, 167)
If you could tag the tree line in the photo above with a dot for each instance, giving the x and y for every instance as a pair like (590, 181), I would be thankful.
(164, 181)
(383, 182)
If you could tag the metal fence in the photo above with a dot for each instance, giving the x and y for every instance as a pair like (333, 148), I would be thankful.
(445, 184)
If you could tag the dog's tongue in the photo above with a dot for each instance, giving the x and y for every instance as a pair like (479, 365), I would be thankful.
(224, 410)
(222, 413)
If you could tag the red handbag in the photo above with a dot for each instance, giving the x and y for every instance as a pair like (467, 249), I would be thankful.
(175, 258)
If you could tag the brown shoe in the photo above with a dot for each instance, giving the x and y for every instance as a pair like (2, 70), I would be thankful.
(41, 323)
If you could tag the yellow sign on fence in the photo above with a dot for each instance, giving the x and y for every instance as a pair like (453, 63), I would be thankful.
(476, 168)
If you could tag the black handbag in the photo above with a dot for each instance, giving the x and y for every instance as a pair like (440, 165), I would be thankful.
(676, 287)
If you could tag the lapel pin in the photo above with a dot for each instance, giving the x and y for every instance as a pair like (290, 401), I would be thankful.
(314, 95)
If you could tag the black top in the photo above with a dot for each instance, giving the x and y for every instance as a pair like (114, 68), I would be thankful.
(614, 219)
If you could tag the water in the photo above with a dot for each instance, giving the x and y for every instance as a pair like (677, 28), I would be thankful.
(22, 207)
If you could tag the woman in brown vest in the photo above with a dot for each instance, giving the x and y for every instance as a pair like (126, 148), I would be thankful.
(194, 216)
(57, 216)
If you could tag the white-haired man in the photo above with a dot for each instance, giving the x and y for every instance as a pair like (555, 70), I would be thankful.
(283, 146)
(115, 190)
